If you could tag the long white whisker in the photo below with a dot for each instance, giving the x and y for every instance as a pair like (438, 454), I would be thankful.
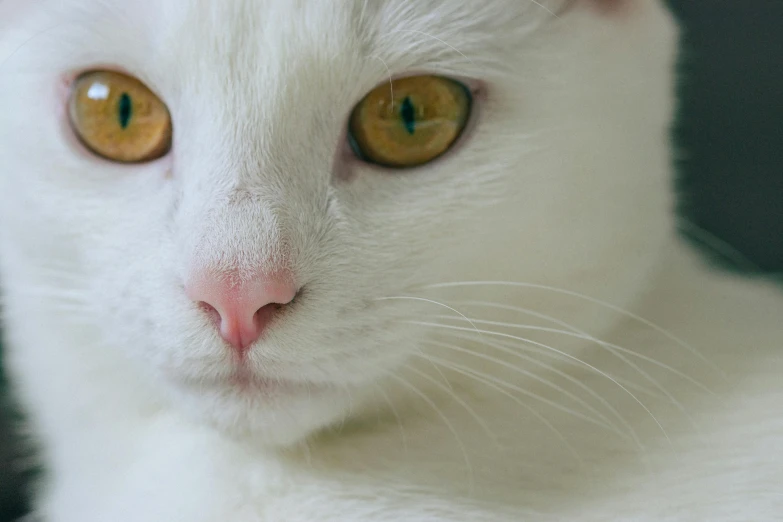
(533, 376)
(593, 300)
(391, 80)
(578, 333)
(532, 395)
(545, 8)
(564, 354)
(608, 346)
(718, 245)
(446, 421)
(457, 399)
(431, 301)
(492, 382)
(546, 353)
(396, 414)
(439, 372)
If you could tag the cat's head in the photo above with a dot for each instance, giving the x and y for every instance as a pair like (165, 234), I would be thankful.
(527, 142)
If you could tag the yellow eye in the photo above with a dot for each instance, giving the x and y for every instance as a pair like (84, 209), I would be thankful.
(119, 118)
(417, 123)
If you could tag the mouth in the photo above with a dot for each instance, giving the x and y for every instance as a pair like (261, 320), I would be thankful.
(248, 383)
(248, 380)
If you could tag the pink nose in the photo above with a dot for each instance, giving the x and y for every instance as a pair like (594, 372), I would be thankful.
(243, 309)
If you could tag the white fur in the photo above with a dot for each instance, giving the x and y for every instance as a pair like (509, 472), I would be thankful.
(564, 182)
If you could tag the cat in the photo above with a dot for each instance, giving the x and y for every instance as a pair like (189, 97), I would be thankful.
(369, 260)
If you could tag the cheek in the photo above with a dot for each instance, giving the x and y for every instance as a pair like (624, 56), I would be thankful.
(138, 305)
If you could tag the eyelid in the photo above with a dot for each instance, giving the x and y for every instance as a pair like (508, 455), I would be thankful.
(476, 87)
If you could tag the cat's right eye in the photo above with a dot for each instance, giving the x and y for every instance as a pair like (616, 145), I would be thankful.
(118, 118)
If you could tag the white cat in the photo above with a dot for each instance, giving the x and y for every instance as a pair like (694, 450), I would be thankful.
(239, 287)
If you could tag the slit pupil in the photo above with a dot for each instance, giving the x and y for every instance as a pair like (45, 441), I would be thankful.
(408, 115)
(125, 110)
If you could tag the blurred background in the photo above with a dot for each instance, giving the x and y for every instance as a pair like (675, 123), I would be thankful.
(730, 129)
(730, 179)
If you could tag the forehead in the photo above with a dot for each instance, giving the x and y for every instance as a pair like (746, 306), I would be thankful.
(444, 35)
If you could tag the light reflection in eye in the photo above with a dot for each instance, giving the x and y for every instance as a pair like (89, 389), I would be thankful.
(98, 91)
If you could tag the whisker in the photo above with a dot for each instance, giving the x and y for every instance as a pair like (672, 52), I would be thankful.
(607, 423)
(442, 376)
(528, 393)
(719, 246)
(545, 353)
(584, 335)
(611, 349)
(396, 414)
(545, 8)
(593, 300)
(446, 421)
(431, 301)
(391, 80)
(459, 400)
(608, 346)
(490, 381)
(564, 354)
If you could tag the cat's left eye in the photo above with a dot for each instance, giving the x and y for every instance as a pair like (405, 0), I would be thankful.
(119, 118)
(410, 122)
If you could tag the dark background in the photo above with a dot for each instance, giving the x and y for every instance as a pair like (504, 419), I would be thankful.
(730, 129)
(730, 132)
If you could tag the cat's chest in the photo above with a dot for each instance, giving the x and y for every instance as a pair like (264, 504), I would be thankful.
(182, 475)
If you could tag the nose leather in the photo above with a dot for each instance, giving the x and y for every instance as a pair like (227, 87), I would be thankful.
(240, 308)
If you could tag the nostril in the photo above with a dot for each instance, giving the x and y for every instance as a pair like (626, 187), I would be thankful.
(264, 314)
(211, 312)
(240, 309)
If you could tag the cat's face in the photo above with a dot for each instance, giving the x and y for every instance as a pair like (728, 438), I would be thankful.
(559, 177)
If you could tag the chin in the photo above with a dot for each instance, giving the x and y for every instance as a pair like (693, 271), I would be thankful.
(271, 414)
